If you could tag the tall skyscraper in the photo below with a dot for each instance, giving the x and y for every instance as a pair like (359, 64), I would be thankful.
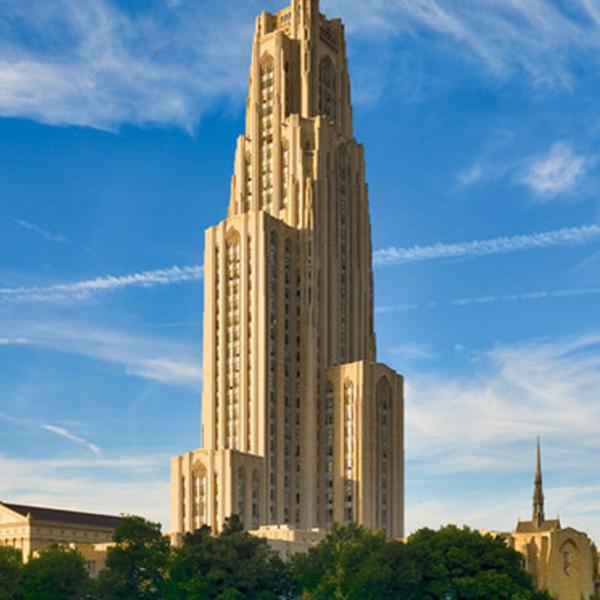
(300, 424)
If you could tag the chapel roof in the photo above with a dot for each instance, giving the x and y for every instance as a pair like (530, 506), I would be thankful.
(66, 517)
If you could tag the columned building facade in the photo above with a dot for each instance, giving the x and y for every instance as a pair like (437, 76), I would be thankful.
(300, 425)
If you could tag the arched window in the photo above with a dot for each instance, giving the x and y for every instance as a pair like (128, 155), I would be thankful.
(199, 482)
(569, 554)
(241, 493)
(384, 458)
(327, 87)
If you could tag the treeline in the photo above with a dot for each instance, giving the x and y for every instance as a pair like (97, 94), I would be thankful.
(352, 563)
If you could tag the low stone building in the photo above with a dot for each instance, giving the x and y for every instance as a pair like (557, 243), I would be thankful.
(563, 561)
(33, 528)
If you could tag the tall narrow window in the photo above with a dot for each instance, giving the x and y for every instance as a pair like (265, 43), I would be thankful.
(249, 183)
(273, 331)
(267, 96)
(255, 499)
(342, 180)
(241, 493)
(327, 86)
(250, 351)
(384, 463)
(329, 451)
(232, 425)
(199, 476)
(285, 174)
(349, 451)
(289, 391)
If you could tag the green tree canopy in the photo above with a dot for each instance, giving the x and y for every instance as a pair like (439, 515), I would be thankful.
(461, 564)
(356, 563)
(135, 566)
(11, 570)
(230, 566)
(56, 574)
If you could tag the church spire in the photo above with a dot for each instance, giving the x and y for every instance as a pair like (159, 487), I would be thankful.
(538, 494)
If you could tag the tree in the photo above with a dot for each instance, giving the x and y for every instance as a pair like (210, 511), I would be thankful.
(355, 563)
(11, 571)
(226, 567)
(135, 566)
(462, 564)
(56, 574)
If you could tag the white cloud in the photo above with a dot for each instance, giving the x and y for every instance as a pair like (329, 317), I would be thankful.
(502, 245)
(560, 171)
(93, 64)
(122, 485)
(536, 38)
(410, 352)
(82, 290)
(62, 432)
(49, 237)
(487, 421)
(149, 357)
(12, 341)
(522, 391)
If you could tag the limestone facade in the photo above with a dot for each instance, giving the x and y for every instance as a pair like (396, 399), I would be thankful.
(30, 529)
(301, 427)
(562, 561)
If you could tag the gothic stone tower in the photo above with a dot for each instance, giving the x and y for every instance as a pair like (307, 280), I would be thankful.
(300, 424)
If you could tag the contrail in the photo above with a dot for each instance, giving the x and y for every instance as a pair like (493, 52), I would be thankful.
(85, 289)
(572, 236)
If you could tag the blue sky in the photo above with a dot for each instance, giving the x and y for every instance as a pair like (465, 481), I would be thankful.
(117, 129)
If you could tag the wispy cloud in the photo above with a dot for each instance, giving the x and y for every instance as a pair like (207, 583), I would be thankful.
(536, 387)
(518, 391)
(153, 358)
(123, 484)
(95, 64)
(411, 352)
(12, 341)
(49, 237)
(85, 289)
(502, 245)
(100, 65)
(560, 171)
(539, 39)
(64, 433)
(496, 298)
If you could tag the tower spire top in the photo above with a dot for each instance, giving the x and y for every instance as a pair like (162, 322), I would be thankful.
(538, 493)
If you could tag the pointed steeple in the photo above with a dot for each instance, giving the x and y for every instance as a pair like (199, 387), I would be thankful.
(538, 493)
